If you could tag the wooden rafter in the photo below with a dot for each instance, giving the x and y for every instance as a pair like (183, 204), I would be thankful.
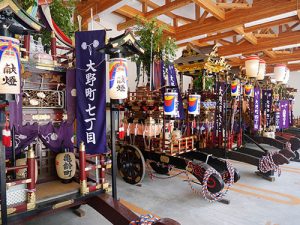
(266, 35)
(270, 53)
(132, 13)
(225, 5)
(248, 36)
(260, 10)
(84, 9)
(169, 14)
(155, 12)
(272, 23)
(287, 38)
(211, 7)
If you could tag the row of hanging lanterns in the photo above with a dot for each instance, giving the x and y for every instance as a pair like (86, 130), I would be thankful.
(256, 68)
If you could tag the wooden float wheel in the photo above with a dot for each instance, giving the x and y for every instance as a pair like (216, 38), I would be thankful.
(131, 164)
(160, 168)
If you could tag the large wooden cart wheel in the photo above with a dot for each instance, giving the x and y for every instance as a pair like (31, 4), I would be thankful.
(131, 164)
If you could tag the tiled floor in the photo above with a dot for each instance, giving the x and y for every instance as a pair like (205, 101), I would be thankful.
(253, 201)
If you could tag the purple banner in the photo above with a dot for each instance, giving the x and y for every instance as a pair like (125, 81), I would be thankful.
(173, 83)
(219, 110)
(277, 120)
(267, 106)
(284, 114)
(71, 94)
(91, 91)
(256, 109)
(291, 112)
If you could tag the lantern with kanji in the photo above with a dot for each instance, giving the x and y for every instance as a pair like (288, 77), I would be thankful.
(118, 81)
(65, 165)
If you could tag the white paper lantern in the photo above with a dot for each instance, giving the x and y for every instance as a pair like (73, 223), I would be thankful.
(118, 81)
(262, 70)
(10, 66)
(65, 165)
(279, 72)
(287, 76)
(194, 104)
(252, 66)
(171, 103)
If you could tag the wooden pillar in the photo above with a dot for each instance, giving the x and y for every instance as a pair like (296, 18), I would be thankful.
(53, 47)
(31, 198)
(27, 46)
(82, 165)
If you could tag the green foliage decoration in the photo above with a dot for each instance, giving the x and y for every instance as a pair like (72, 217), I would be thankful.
(61, 13)
(163, 47)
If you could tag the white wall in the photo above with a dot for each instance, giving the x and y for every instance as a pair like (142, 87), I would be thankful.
(295, 83)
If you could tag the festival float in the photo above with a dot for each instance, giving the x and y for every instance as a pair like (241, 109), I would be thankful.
(238, 123)
(47, 163)
(155, 132)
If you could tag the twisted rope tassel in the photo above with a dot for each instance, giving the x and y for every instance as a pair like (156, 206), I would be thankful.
(210, 197)
(267, 164)
(145, 220)
(219, 195)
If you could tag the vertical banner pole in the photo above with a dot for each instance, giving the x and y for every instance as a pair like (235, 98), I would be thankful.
(113, 149)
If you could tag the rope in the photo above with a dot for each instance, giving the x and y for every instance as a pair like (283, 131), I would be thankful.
(267, 164)
(144, 220)
(210, 197)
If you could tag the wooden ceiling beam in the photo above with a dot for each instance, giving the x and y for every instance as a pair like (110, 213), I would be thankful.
(154, 13)
(84, 10)
(248, 36)
(167, 8)
(169, 14)
(212, 8)
(217, 36)
(270, 53)
(259, 10)
(224, 5)
(132, 13)
(287, 38)
(266, 35)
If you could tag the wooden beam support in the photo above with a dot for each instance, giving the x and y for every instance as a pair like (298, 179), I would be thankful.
(132, 13)
(266, 35)
(283, 52)
(234, 18)
(283, 39)
(153, 13)
(271, 54)
(203, 17)
(248, 36)
(211, 7)
(217, 36)
(234, 5)
(197, 12)
(169, 14)
(167, 8)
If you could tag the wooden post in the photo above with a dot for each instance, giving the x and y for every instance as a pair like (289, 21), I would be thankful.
(53, 48)
(27, 46)
(31, 198)
(82, 165)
